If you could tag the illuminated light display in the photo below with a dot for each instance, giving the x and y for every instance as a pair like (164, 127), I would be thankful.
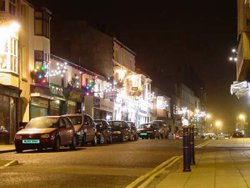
(89, 87)
(61, 69)
(39, 74)
(75, 82)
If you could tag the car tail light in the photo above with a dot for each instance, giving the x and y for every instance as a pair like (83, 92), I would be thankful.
(45, 136)
(18, 137)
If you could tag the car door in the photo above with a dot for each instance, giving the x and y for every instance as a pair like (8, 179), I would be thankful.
(63, 131)
(90, 127)
(69, 130)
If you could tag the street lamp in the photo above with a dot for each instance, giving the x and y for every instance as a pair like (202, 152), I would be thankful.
(218, 125)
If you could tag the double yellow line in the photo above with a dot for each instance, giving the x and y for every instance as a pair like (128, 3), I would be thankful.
(146, 179)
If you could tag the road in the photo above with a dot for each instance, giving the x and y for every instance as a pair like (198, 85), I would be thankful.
(115, 165)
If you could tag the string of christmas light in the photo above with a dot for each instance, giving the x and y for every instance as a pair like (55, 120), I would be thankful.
(39, 74)
(61, 69)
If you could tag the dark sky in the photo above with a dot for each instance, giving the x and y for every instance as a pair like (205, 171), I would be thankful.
(166, 34)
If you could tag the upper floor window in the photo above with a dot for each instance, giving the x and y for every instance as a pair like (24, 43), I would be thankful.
(42, 23)
(12, 7)
(2, 5)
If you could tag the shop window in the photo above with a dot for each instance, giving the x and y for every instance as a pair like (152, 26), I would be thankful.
(2, 5)
(42, 23)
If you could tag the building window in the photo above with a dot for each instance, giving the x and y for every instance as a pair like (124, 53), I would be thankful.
(9, 56)
(12, 7)
(42, 23)
(2, 5)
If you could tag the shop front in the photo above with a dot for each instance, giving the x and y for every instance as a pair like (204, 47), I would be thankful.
(75, 100)
(99, 108)
(9, 98)
(47, 100)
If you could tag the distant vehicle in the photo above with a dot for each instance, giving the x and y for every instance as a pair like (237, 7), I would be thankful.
(103, 131)
(149, 131)
(120, 130)
(133, 129)
(84, 127)
(238, 135)
(179, 134)
(46, 132)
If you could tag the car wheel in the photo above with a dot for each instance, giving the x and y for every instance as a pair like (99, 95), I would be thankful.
(110, 141)
(73, 143)
(19, 149)
(83, 142)
(57, 144)
(102, 139)
(94, 141)
(123, 138)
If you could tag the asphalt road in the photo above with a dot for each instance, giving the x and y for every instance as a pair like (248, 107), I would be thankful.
(115, 165)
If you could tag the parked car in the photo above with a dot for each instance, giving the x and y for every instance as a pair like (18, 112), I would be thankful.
(46, 132)
(162, 127)
(84, 127)
(133, 129)
(120, 130)
(149, 131)
(238, 135)
(103, 131)
(179, 134)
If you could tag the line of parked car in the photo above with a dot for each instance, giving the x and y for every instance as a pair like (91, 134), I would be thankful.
(72, 130)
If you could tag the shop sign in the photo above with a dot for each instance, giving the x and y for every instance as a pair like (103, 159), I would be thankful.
(76, 96)
(106, 105)
(56, 90)
(39, 102)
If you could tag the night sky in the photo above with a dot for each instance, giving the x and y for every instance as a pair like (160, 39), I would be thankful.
(167, 34)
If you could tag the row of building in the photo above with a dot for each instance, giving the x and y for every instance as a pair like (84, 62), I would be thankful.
(70, 67)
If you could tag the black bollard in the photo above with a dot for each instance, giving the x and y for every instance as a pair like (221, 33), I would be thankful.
(191, 145)
(186, 151)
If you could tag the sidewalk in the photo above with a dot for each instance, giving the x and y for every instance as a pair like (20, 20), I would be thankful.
(217, 165)
(7, 148)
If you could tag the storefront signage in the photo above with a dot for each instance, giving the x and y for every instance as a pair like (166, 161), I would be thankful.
(57, 91)
(76, 96)
(106, 105)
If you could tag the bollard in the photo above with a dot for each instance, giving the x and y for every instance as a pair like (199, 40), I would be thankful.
(186, 151)
(191, 145)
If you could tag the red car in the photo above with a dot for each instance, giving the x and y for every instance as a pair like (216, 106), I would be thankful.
(46, 132)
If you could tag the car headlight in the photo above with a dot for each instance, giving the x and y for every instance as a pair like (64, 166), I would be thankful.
(45, 136)
(18, 137)
(117, 132)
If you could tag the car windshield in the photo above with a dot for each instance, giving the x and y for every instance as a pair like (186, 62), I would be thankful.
(116, 124)
(76, 119)
(43, 122)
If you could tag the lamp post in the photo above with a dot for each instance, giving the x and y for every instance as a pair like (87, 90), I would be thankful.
(218, 125)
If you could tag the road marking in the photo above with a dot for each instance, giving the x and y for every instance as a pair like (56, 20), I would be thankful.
(149, 177)
(11, 163)
(202, 144)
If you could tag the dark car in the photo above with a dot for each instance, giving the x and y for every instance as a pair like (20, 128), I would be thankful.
(103, 131)
(120, 130)
(162, 127)
(149, 131)
(238, 135)
(46, 132)
(133, 129)
(84, 127)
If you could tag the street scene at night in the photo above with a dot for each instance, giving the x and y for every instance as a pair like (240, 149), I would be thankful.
(124, 94)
